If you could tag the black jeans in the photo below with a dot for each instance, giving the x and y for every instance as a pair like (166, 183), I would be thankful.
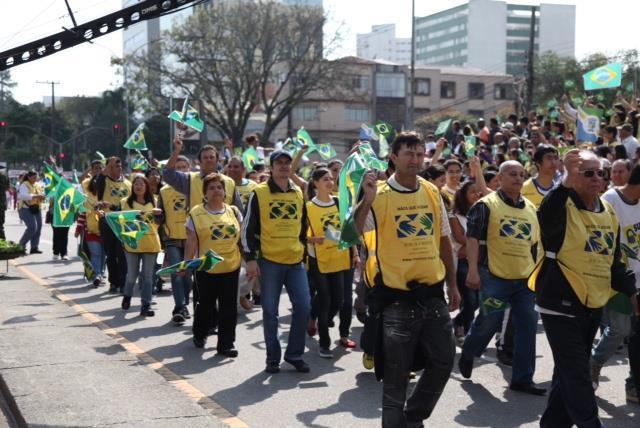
(572, 398)
(327, 300)
(2, 236)
(408, 326)
(116, 262)
(221, 288)
(346, 311)
(469, 297)
(60, 240)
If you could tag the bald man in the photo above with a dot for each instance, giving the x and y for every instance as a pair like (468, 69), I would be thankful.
(502, 240)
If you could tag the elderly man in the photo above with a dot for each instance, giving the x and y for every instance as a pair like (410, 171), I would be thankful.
(580, 234)
(502, 239)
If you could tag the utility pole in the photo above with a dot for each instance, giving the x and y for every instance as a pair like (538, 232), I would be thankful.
(53, 102)
(530, 56)
(412, 75)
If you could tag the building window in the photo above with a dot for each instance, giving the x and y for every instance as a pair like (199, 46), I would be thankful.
(447, 89)
(356, 114)
(359, 81)
(390, 85)
(422, 87)
(476, 91)
(305, 113)
(503, 91)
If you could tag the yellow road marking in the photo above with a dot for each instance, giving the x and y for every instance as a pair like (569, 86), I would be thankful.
(174, 379)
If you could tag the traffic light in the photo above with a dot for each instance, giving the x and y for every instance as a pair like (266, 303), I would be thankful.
(116, 129)
(61, 155)
(4, 126)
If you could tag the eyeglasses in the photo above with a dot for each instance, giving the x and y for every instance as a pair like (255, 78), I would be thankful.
(589, 173)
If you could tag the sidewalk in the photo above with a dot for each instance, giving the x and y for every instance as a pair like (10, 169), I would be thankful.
(61, 370)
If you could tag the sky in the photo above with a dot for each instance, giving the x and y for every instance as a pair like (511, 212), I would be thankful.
(86, 69)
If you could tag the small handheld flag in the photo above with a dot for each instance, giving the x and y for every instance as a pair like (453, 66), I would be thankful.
(204, 263)
(303, 136)
(189, 116)
(326, 151)
(367, 133)
(67, 200)
(136, 140)
(250, 158)
(128, 226)
(607, 76)
(51, 179)
(443, 128)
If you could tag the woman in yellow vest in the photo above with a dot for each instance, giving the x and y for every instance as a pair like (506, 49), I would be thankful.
(328, 265)
(215, 225)
(30, 195)
(148, 247)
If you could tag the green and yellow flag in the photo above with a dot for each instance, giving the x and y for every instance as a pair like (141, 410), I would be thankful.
(136, 141)
(369, 157)
(128, 226)
(140, 163)
(204, 263)
(326, 151)
(470, 146)
(51, 179)
(67, 201)
(292, 146)
(607, 76)
(443, 128)
(303, 136)
(250, 158)
(189, 116)
(386, 129)
(351, 176)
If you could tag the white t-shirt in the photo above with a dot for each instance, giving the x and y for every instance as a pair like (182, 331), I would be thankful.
(631, 145)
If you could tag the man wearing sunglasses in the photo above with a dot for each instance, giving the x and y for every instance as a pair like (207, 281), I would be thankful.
(582, 263)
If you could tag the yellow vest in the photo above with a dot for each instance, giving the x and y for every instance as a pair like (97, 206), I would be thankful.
(245, 190)
(175, 213)
(586, 255)
(115, 191)
(280, 224)
(330, 258)
(220, 233)
(91, 215)
(531, 192)
(196, 196)
(510, 235)
(34, 189)
(85, 185)
(150, 242)
(405, 244)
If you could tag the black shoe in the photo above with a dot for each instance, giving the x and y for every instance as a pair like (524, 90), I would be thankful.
(272, 368)
(331, 324)
(159, 284)
(299, 365)
(178, 318)
(199, 342)
(185, 313)
(466, 367)
(146, 311)
(126, 302)
(212, 331)
(256, 300)
(528, 388)
(96, 283)
(35, 251)
(505, 357)
(231, 352)
(113, 289)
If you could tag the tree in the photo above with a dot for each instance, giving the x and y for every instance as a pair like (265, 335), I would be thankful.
(5, 88)
(240, 59)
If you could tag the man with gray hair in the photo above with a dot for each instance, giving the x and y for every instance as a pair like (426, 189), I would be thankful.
(502, 241)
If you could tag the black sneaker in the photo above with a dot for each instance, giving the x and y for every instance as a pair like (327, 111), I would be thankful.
(231, 352)
(199, 342)
(256, 300)
(185, 313)
(146, 311)
(299, 365)
(96, 282)
(272, 368)
(35, 251)
(466, 367)
(159, 284)
(528, 388)
(126, 302)
(212, 331)
(113, 289)
(178, 318)
(505, 357)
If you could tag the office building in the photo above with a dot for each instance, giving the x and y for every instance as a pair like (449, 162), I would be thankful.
(382, 44)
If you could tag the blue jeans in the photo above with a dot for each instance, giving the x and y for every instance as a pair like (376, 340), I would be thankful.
(146, 274)
(294, 278)
(180, 285)
(97, 256)
(33, 223)
(525, 320)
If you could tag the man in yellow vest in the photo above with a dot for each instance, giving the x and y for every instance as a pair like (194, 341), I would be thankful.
(502, 240)
(582, 264)
(110, 187)
(274, 236)
(190, 183)
(174, 234)
(407, 276)
(547, 163)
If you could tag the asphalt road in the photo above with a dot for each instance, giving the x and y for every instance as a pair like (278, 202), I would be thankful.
(337, 392)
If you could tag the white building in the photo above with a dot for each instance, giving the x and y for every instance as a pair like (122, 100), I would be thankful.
(494, 35)
(381, 43)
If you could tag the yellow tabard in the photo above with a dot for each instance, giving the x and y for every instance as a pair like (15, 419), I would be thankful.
(510, 235)
(150, 242)
(34, 189)
(115, 191)
(280, 224)
(405, 244)
(196, 196)
(530, 191)
(245, 190)
(586, 255)
(220, 233)
(175, 213)
(330, 257)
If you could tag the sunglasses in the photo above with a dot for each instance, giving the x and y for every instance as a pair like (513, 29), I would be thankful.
(591, 172)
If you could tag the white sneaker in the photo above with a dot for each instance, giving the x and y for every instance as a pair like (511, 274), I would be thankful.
(325, 352)
(56, 257)
(64, 258)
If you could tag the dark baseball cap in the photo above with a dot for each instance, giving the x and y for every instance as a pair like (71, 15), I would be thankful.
(277, 154)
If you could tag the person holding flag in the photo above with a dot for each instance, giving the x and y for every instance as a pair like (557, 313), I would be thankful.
(110, 187)
(215, 225)
(88, 227)
(31, 196)
(146, 249)
(407, 276)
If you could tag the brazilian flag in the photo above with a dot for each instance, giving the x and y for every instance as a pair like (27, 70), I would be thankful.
(128, 226)
(51, 179)
(386, 129)
(326, 151)
(607, 76)
(67, 201)
(250, 158)
(292, 146)
(369, 157)
(303, 136)
(189, 116)
(203, 263)
(136, 140)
